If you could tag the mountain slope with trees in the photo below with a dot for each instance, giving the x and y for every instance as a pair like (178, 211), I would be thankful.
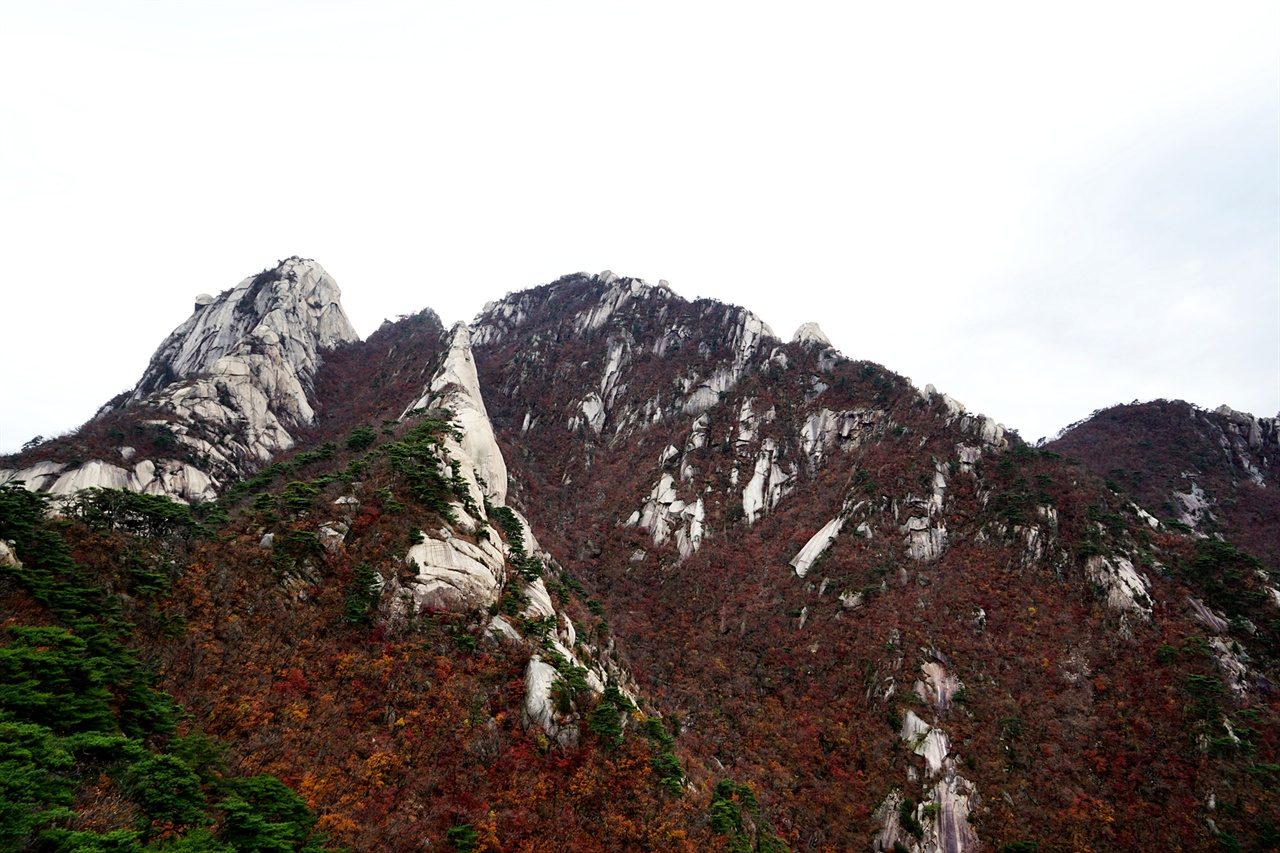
(738, 594)
(1215, 472)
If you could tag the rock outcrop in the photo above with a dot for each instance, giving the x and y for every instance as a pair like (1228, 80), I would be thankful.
(943, 817)
(227, 387)
(816, 545)
(664, 513)
(453, 572)
(238, 375)
(294, 309)
(456, 387)
(810, 333)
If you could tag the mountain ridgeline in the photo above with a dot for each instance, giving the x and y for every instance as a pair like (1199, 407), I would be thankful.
(608, 569)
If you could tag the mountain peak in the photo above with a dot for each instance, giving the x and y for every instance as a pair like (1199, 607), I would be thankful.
(296, 302)
(456, 387)
(750, 556)
(810, 333)
(225, 388)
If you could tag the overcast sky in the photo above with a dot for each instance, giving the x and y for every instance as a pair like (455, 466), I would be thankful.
(1040, 208)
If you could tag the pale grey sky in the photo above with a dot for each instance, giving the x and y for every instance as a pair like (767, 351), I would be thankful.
(1040, 208)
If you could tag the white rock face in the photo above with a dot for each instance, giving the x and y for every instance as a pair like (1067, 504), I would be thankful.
(810, 333)
(703, 398)
(618, 358)
(538, 708)
(1232, 664)
(938, 686)
(747, 333)
(457, 387)
(991, 432)
(296, 309)
(850, 600)
(953, 406)
(37, 478)
(932, 503)
(540, 605)
(914, 729)
(1151, 520)
(1034, 542)
(620, 292)
(247, 361)
(1252, 442)
(968, 456)
(454, 574)
(816, 545)
(499, 319)
(926, 741)
(891, 830)
(689, 534)
(531, 546)
(664, 514)
(825, 429)
(8, 559)
(1195, 505)
(1207, 617)
(593, 412)
(950, 831)
(94, 474)
(925, 541)
(176, 480)
(934, 748)
(947, 830)
(1126, 589)
(747, 422)
(503, 630)
(698, 433)
(331, 535)
(241, 368)
(769, 483)
(697, 439)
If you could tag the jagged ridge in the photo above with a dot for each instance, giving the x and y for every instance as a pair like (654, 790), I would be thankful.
(794, 549)
(227, 386)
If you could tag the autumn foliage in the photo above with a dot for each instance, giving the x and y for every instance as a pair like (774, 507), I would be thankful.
(245, 680)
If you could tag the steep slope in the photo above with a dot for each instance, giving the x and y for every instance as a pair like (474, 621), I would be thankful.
(91, 758)
(223, 394)
(861, 600)
(1215, 472)
(288, 314)
(613, 570)
(366, 620)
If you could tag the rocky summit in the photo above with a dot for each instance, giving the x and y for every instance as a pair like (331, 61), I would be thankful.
(609, 569)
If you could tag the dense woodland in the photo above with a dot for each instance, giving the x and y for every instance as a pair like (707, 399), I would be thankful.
(1155, 450)
(1077, 735)
(169, 683)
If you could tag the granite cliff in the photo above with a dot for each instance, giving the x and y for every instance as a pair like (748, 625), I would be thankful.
(224, 390)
